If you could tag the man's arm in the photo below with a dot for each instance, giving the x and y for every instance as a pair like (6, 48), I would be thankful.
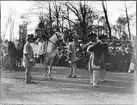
(88, 43)
(94, 47)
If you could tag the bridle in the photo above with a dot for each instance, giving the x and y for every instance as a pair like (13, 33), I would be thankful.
(49, 39)
(57, 38)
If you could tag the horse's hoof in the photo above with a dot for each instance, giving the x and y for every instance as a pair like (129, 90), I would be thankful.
(74, 76)
(70, 76)
(46, 78)
(50, 78)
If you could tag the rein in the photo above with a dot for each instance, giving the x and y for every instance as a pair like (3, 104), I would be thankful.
(51, 41)
(44, 34)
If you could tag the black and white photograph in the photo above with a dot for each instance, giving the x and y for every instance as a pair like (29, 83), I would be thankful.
(68, 52)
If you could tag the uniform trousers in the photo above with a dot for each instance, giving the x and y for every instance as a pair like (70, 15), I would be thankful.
(94, 76)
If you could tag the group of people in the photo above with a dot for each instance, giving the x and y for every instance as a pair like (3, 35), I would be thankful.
(100, 56)
(28, 57)
(70, 54)
(11, 55)
(120, 57)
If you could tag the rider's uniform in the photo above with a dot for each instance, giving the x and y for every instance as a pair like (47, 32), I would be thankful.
(42, 49)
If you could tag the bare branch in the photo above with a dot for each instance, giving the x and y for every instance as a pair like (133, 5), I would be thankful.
(74, 10)
(73, 23)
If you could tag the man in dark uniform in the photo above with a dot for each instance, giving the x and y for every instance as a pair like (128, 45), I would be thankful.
(94, 64)
(99, 53)
(105, 59)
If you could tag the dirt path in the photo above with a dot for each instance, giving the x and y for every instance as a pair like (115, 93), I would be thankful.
(62, 90)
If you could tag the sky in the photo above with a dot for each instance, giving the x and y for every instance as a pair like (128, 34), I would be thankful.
(114, 11)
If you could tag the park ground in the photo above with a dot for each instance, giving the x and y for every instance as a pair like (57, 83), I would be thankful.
(120, 88)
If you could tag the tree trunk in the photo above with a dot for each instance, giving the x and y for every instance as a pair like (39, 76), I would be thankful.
(84, 32)
(57, 22)
(128, 22)
(50, 20)
(0, 34)
(62, 24)
(57, 16)
(120, 34)
(106, 16)
(68, 19)
(136, 34)
(98, 28)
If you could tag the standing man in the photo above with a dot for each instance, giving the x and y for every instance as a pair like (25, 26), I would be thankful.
(97, 60)
(73, 59)
(105, 55)
(94, 64)
(28, 59)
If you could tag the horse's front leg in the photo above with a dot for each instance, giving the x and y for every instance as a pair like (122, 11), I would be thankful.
(50, 68)
(46, 69)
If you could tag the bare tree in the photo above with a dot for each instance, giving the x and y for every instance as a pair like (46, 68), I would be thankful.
(127, 21)
(106, 16)
(50, 16)
(57, 12)
(81, 14)
(68, 18)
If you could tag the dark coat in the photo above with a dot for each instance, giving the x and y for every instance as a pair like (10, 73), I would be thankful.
(101, 54)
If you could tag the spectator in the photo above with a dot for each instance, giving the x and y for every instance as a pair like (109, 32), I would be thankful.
(28, 59)
(73, 59)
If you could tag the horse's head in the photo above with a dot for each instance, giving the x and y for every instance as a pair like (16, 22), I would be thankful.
(60, 36)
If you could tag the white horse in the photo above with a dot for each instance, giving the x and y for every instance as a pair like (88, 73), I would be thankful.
(51, 52)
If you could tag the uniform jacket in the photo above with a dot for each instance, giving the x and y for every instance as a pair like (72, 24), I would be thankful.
(29, 51)
(42, 48)
(101, 54)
